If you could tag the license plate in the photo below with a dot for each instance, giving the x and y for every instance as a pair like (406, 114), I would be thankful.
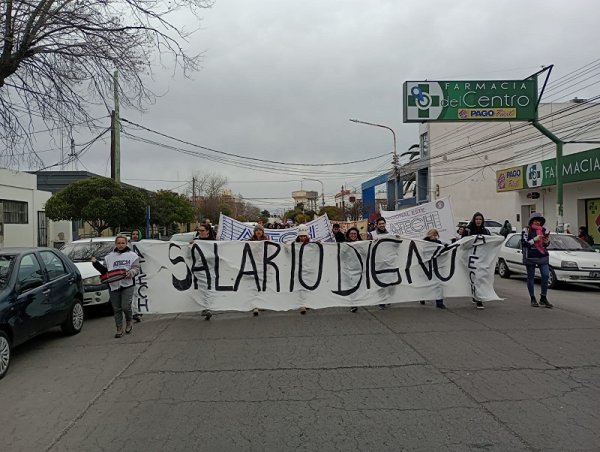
(595, 275)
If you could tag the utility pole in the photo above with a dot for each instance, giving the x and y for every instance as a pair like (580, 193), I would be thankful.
(115, 135)
(72, 155)
(343, 204)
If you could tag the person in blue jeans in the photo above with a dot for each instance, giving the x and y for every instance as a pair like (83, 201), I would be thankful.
(534, 241)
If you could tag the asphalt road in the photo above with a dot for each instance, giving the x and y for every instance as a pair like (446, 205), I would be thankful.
(412, 377)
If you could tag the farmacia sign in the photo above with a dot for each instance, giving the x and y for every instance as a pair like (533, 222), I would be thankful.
(489, 100)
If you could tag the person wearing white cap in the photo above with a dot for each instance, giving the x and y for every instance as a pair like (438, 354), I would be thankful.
(303, 237)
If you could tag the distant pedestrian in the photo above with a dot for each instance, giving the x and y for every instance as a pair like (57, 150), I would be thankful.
(534, 241)
(506, 229)
(434, 236)
(338, 234)
(585, 236)
(121, 290)
(476, 227)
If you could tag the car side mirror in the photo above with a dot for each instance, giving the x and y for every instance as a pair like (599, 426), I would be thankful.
(29, 284)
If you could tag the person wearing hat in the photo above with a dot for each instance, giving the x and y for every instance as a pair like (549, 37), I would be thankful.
(534, 240)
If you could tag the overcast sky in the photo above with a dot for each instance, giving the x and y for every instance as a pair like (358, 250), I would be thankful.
(281, 78)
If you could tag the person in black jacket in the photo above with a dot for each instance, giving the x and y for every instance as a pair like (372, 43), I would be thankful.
(476, 227)
(338, 234)
(534, 241)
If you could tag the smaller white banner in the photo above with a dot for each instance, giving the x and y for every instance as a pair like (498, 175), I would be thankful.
(319, 230)
(414, 222)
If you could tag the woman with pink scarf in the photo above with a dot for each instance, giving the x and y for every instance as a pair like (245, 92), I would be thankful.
(534, 240)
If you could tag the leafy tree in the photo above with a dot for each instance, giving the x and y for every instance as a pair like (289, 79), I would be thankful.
(100, 202)
(333, 213)
(265, 214)
(57, 58)
(167, 208)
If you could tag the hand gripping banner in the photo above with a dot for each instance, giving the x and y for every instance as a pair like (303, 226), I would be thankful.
(240, 276)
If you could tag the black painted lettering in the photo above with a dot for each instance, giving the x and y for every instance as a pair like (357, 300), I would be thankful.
(268, 260)
(351, 290)
(247, 255)
(219, 288)
(375, 272)
(198, 256)
(180, 284)
(414, 251)
(319, 269)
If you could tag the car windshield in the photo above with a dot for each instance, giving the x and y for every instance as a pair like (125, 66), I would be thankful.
(568, 243)
(83, 251)
(492, 223)
(6, 265)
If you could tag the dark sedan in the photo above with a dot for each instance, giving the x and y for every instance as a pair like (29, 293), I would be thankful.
(39, 289)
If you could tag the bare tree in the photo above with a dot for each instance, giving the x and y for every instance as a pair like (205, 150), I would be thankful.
(57, 58)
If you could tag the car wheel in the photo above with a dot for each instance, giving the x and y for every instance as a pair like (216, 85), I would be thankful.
(74, 321)
(503, 270)
(552, 282)
(5, 353)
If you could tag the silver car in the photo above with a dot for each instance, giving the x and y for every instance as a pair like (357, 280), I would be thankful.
(571, 260)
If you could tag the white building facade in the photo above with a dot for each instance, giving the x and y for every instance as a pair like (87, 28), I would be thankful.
(466, 161)
(22, 217)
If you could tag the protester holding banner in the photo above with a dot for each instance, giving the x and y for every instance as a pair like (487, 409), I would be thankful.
(476, 227)
(353, 235)
(259, 235)
(125, 265)
(534, 240)
(338, 234)
(380, 230)
(303, 237)
(434, 236)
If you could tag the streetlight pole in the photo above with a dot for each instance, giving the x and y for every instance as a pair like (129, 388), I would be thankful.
(395, 158)
(322, 190)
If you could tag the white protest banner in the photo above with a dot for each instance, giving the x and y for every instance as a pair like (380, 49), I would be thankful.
(234, 275)
(414, 222)
(318, 230)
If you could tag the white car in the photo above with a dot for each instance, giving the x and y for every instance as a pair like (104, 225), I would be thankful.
(571, 260)
(491, 225)
(80, 253)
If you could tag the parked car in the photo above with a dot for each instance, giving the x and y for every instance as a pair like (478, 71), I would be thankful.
(571, 260)
(492, 225)
(39, 289)
(80, 252)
